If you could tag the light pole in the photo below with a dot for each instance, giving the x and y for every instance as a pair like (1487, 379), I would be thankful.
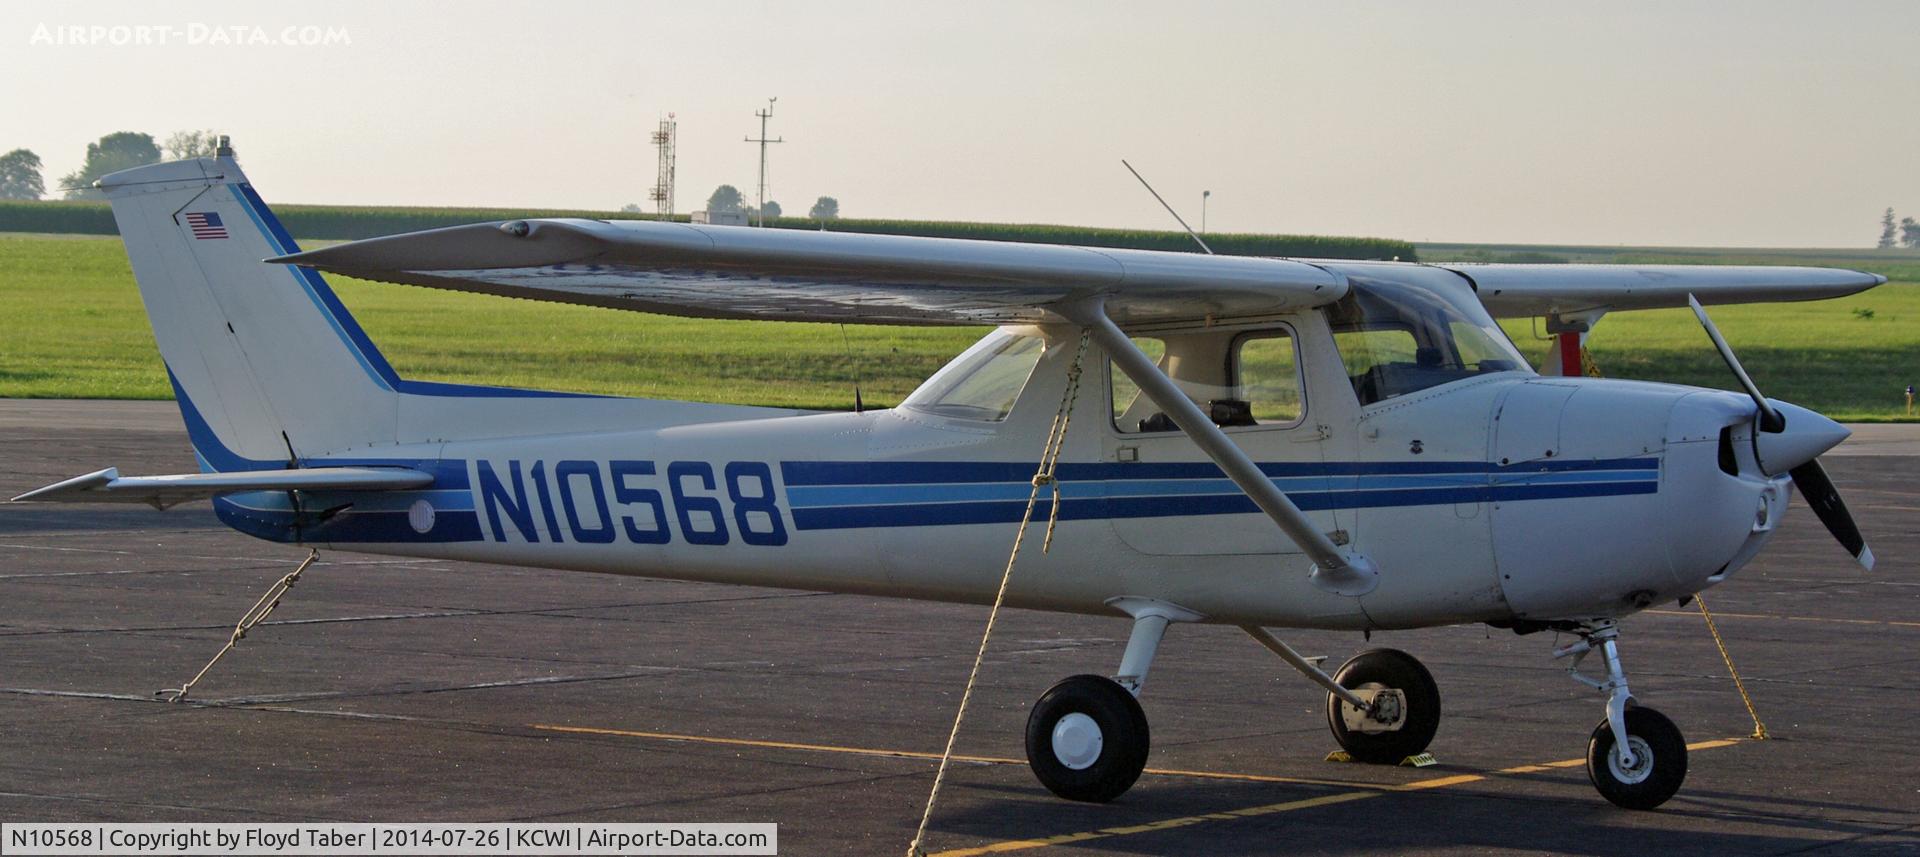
(1203, 209)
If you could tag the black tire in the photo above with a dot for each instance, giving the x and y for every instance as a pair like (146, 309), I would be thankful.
(1662, 767)
(1396, 670)
(1095, 777)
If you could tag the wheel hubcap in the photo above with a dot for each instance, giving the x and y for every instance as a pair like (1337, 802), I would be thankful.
(1077, 741)
(1642, 762)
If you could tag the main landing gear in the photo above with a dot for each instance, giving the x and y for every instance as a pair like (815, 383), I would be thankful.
(1636, 757)
(1087, 738)
(1404, 714)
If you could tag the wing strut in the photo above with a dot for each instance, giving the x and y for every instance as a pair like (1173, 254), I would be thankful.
(1345, 575)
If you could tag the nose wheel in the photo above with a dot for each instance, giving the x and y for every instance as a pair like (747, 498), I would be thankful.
(1636, 758)
(1646, 777)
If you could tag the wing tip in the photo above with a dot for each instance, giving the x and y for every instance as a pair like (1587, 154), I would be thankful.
(84, 482)
(1865, 557)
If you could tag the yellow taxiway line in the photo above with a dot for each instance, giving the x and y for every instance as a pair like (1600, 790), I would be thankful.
(1274, 808)
(915, 754)
(1836, 620)
(1360, 790)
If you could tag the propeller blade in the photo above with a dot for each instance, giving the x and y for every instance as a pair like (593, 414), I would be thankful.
(1770, 420)
(1814, 485)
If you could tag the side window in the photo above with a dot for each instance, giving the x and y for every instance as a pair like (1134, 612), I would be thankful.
(1479, 352)
(1129, 407)
(1362, 349)
(1266, 375)
(1398, 338)
(983, 383)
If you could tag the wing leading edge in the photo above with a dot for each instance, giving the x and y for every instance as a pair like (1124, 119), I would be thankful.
(1512, 291)
(797, 275)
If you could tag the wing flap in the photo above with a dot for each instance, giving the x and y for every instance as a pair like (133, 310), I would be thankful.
(1510, 291)
(798, 275)
(108, 486)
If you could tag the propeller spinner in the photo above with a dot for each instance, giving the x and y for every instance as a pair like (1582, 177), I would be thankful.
(1789, 439)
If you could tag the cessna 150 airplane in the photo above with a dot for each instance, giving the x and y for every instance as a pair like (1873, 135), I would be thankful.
(1255, 442)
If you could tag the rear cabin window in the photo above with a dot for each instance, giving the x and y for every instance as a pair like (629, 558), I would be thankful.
(983, 382)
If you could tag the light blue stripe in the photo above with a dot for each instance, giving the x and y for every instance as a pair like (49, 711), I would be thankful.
(1573, 477)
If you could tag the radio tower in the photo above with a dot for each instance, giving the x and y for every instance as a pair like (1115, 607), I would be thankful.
(760, 206)
(662, 192)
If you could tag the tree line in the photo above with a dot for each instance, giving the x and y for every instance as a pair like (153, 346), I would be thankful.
(727, 199)
(20, 169)
(1907, 233)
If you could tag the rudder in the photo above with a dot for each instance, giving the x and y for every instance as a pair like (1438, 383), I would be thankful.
(267, 356)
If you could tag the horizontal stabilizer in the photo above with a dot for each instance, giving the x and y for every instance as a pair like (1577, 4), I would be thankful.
(108, 486)
(799, 275)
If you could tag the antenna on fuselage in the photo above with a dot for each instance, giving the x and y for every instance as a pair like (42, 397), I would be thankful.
(1169, 208)
(858, 406)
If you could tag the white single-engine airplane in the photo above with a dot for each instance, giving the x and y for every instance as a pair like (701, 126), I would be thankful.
(1255, 442)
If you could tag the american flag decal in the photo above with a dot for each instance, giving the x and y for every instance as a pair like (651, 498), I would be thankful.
(206, 224)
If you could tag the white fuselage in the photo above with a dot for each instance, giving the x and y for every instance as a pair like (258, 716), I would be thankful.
(1499, 498)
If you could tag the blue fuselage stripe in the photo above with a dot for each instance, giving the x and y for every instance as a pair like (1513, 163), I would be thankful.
(799, 473)
(853, 494)
(936, 514)
(803, 497)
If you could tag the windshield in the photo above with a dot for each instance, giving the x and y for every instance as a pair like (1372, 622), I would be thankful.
(1396, 338)
(983, 382)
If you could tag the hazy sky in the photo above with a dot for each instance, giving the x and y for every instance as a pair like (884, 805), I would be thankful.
(1662, 123)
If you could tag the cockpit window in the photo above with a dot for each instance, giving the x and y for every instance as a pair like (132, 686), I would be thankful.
(982, 383)
(1396, 339)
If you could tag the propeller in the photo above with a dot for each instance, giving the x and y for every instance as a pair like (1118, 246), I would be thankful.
(1790, 439)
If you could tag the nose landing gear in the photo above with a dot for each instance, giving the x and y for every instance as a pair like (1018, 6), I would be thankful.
(1636, 757)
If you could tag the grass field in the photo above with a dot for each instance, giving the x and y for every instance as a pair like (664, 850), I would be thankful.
(74, 328)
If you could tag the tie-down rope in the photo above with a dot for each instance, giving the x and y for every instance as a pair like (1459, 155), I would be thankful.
(1759, 729)
(255, 615)
(1049, 459)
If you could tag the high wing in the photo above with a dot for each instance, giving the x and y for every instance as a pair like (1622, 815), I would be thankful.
(108, 486)
(799, 275)
(1510, 291)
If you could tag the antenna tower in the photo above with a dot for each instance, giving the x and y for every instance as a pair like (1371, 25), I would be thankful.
(662, 192)
(760, 205)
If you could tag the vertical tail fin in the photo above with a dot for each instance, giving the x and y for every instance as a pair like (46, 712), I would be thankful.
(264, 358)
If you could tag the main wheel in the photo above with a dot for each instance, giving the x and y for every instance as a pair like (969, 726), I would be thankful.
(1407, 731)
(1087, 739)
(1660, 760)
